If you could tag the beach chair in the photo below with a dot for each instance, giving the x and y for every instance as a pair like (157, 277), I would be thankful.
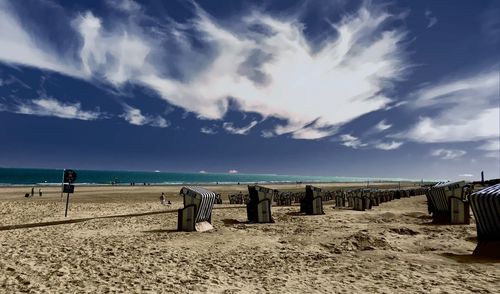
(197, 212)
(449, 203)
(486, 208)
(312, 203)
(339, 199)
(259, 204)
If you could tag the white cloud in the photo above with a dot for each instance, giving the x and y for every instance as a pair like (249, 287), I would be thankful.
(202, 172)
(491, 148)
(238, 131)
(21, 47)
(124, 5)
(135, 117)
(388, 146)
(233, 171)
(382, 126)
(274, 71)
(431, 18)
(448, 153)
(468, 110)
(52, 107)
(208, 130)
(351, 141)
(119, 56)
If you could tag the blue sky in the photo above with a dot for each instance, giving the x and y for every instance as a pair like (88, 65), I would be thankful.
(337, 88)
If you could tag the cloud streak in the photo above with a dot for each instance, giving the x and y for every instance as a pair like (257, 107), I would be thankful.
(55, 108)
(448, 154)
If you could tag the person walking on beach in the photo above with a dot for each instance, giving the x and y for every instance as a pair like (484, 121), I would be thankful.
(162, 198)
(32, 191)
(40, 192)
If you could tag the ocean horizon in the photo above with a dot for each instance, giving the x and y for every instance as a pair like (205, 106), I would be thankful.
(41, 176)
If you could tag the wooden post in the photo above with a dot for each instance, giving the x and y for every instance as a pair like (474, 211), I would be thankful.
(67, 204)
(482, 177)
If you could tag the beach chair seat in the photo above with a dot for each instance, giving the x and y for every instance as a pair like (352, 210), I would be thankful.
(486, 209)
(312, 203)
(197, 212)
(259, 204)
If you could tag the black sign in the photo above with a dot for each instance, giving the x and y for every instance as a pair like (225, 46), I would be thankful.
(69, 176)
(68, 188)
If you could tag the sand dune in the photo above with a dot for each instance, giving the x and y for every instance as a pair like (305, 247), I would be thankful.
(123, 240)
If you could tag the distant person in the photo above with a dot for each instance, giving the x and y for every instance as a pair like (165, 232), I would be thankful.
(162, 198)
(32, 191)
(169, 203)
(40, 192)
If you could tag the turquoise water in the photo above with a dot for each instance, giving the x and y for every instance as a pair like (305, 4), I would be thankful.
(26, 176)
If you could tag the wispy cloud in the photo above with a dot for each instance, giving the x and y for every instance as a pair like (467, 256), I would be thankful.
(431, 18)
(53, 107)
(467, 110)
(263, 70)
(21, 47)
(351, 141)
(388, 146)
(491, 147)
(382, 126)
(208, 130)
(448, 153)
(230, 128)
(135, 117)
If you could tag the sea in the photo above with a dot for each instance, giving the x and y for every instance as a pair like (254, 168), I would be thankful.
(31, 176)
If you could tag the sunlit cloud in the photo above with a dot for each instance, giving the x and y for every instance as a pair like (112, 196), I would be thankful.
(274, 71)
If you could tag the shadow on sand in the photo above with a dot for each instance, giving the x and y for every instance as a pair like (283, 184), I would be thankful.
(79, 220)
(230, 222)
(470, 258)
(162, 231)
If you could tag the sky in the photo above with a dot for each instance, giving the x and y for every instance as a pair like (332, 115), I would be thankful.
(405, 89)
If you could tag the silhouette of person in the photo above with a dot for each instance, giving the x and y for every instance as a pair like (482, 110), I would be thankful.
(32, 191)
(40, 192)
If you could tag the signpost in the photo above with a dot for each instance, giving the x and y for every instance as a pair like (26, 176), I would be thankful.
(69, 177)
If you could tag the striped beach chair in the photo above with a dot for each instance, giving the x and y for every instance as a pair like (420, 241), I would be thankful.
(449, 203)
(312, 203)
(259, 204)
(197, 212)
(486, 208)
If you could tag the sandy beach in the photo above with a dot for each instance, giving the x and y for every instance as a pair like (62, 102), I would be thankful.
(120, 239)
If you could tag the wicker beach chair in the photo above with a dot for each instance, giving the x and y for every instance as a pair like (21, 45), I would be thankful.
(449, 203)
(197, 212)
(312, 203)
(486, 208)
(259, 204)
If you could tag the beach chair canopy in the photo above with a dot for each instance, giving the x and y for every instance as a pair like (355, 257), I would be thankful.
(441, 192)
(486, 208)
(202, 198)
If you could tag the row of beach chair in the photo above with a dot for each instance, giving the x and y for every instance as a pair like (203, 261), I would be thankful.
(449, 203)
